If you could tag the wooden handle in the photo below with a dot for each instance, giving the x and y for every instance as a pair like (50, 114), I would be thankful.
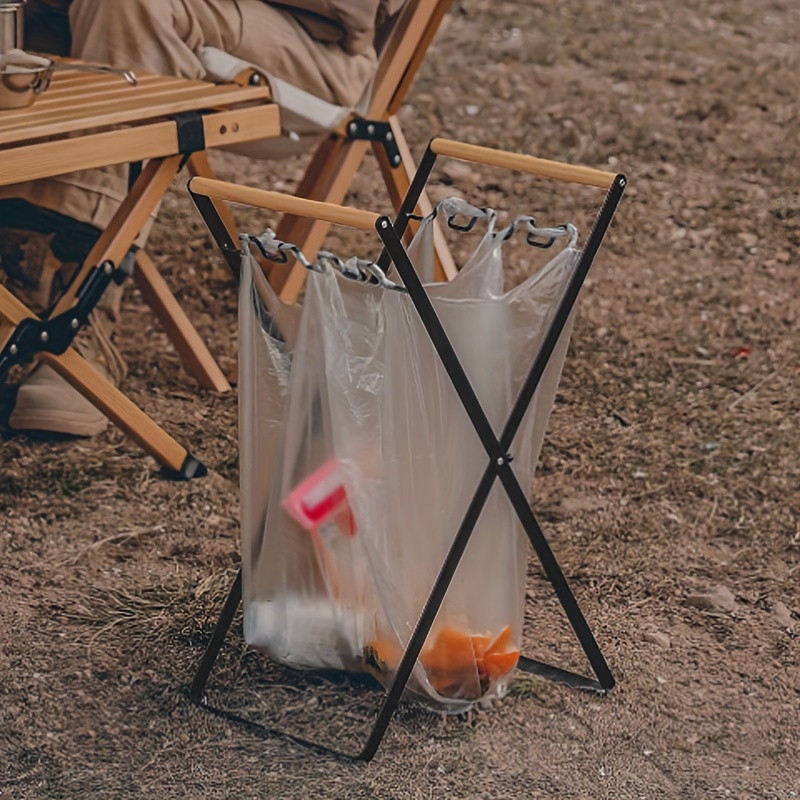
(536, 166)
(285, 203)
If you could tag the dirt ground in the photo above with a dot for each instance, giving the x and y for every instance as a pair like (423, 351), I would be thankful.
(668, 486)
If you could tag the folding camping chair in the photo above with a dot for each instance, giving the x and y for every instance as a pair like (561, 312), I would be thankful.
(329, 174)
(206, 193)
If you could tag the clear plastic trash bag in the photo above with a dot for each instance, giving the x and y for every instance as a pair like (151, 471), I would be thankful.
(364, 462)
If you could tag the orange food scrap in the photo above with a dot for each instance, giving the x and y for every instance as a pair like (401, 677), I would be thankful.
(500, 657)
(450, 664)
(495, 665)
(452, 651)
(457, 665)
(480, 644)
(501, 643)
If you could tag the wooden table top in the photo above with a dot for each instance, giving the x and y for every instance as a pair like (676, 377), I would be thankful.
(80, 101)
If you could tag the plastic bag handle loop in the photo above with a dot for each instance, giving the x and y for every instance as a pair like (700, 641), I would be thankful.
(533, 242)
(276, 250)
(327, 258)
(451, 223)
(551, 234)
(380, 276)
(276, 256)
(455, 207)
(273, 249)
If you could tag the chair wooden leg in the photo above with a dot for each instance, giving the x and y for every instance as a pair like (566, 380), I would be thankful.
(310, 236)
(321, 170)
(398, 179)
(191, 348)
(432, 12)
(328, 178)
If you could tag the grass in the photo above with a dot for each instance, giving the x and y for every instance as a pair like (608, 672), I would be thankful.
(528, 688)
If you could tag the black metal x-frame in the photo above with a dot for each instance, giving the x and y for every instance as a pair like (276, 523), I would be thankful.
(498, 467)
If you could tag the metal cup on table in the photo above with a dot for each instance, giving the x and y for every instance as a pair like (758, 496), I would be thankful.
(11, 25)
(24, 76)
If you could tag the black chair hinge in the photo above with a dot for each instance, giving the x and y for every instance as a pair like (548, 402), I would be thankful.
(378, 132)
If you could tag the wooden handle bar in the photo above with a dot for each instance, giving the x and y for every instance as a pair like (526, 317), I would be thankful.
(285, 203)
(536, 166)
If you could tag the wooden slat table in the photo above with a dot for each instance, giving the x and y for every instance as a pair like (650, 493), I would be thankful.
(85, 121)
(86, 106)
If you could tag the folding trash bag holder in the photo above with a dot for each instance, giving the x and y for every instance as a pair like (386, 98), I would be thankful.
(206, 193)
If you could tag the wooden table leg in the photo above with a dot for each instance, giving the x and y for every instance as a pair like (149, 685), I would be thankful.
(187, 341)
(124, 413)
(114, 243)
(127, 222)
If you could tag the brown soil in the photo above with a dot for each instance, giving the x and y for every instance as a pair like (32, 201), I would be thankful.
(671, 468)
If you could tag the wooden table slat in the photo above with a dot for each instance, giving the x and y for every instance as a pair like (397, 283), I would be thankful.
(94, 111)
(72, 79)
(103, 97)
(87, 82)
(66, 85)
(57, 94)
(130, 106)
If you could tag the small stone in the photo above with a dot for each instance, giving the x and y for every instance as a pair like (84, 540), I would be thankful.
(658, 638)
(748, 239)
(782, 615)
(460, 172)
(437, 192)
(718, 599)
(575, 505)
